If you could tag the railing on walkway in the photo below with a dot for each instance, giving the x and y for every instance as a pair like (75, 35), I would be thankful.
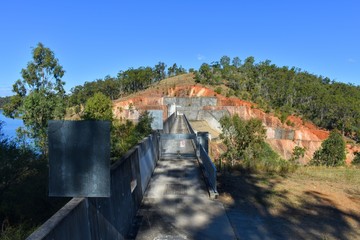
(108, 218)
(205, 161)
(111, 218)
(169, 123)
(191, 130)
(210, 169)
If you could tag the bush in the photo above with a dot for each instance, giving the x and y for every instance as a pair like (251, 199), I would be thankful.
(247, 149)
(125, 135)
(24, 203)
(21, 231)
(269, 161)
(218, 90)
(98, 107)
(332, 151)
(356, 160)
(298, 152)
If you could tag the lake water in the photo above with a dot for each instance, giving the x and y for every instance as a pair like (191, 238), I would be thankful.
(10, 125)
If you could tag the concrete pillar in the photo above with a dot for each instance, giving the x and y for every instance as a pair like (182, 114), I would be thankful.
(203, 139)
(171, 109)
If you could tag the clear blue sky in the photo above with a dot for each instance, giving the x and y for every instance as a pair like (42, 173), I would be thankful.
(93, 39)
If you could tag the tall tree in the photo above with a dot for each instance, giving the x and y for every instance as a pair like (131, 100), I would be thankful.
(224, 61)
(40, 95)
(172, 70)
(236, 62)
(159, 71)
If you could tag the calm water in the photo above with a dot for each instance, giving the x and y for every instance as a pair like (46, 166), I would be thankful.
(10, 125)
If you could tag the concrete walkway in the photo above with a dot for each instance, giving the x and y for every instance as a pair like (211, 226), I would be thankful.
(176, 204)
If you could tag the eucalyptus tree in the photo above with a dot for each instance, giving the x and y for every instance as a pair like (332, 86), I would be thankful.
(39, 95)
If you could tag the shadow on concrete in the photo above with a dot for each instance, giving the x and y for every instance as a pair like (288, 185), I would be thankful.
(177, 206)
(252, 215)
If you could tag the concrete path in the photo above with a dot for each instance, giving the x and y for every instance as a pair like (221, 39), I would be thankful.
(176, 204)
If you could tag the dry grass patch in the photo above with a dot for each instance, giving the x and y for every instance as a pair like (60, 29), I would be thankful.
(313, 202)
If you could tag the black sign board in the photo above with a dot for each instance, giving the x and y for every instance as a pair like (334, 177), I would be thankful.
(79, 158)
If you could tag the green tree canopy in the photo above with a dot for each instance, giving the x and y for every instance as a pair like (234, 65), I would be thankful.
(159, 71)
(98, 107)
(40, 95)
(332, 151)
(240, 135)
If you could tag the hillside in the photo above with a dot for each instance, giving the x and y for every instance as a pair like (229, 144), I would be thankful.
(282, 136)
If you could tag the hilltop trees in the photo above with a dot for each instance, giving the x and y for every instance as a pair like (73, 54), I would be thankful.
(133, 80)
(174, 70)
(159, 71)
(126, 82)
(284, 90)
(40, 95)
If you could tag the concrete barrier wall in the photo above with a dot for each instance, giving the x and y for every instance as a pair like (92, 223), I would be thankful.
(191, 101)
(169, 123)
(211, 117)
(65, 223)
(148, 153)
(207, 166)
(107, 218)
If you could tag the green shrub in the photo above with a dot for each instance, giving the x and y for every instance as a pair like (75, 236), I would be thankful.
(218, 90)
(126, 135)
(247, 149)
(20, 231)
(332, 151)
(356, 160)
(267, 160)
(290, 123)
(98, 107)
(298, 152)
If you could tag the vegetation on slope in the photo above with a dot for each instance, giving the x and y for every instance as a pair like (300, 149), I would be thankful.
(283, 90)
(329, 104)
(246, 147)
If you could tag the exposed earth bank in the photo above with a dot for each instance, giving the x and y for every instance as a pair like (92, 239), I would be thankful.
(283, 137)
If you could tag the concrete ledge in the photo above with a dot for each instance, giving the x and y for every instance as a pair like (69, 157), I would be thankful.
(67, 223)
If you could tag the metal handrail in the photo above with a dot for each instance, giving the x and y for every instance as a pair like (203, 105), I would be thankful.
(205, 160)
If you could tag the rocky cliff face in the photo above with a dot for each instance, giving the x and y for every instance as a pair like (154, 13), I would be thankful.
(282, 137)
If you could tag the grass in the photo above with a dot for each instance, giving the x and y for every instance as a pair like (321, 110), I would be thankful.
(21, 231)
(310, 203)
(345, 175)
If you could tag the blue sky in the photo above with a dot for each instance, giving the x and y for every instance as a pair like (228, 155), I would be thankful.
(93, 39)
